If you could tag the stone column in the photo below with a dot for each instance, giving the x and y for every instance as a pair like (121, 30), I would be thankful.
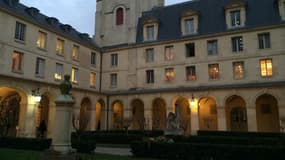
(92, 121)
(222, 120)
(194, 120)
(251, 119)
(62, 123)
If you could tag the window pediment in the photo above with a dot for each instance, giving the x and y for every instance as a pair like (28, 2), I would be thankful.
(236, 4)
(151, 20)
(189, 13)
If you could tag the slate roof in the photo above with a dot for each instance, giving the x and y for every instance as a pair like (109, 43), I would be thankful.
(46, 22)
(211, 17)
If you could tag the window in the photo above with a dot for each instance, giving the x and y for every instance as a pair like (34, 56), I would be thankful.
(114, 60)
(75, 52)
(120, 16)
(212, 47)
(42, 38)
(213, 71)
(17, 61)
(235, 18)
(190, 50)
(40, 67)
(169, 74)
(190, 73)
(264, 40)
(169, 53)
(266, 67)
(58, 71)
(113, 80)
(237, 44)
(59, 46)
(149, 55)
(93, 58)
(189, 26)
(149, 76)
(74, 75)
(150, 33)
(238, 69)
(20, 31)
(92, 79)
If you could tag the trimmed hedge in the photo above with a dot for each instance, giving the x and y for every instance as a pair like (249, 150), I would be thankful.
(37, 144)
(83, 143)
(239, 134)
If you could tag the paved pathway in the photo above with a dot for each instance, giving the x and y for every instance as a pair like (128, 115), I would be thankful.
(114, 151)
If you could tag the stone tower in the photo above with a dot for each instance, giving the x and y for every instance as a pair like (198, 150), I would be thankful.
(116, 20)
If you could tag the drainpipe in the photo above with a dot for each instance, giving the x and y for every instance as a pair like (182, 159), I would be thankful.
(101, 67)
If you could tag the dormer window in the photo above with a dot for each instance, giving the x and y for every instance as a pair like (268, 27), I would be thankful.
(120, 16)
(150, 29)
(189, 22)
(189, 26)
(235, 14)
(235, 18)
(282, 9)
(150, 33)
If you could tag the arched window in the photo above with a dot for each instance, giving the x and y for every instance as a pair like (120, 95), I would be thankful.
(119, 16)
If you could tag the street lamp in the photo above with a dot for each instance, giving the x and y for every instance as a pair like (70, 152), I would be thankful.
(192, 102)
(36, 95)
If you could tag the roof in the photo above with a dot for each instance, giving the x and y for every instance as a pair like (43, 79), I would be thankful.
(33, 15)
(211, 17)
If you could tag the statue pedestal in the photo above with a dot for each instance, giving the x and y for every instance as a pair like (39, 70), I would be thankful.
(62, 123)
(174, 132)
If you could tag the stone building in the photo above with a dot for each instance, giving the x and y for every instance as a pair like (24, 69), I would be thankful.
(220, 61)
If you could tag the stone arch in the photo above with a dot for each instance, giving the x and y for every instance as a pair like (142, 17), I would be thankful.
(100, 111)
(267, 113)
(43, 112)
(158, 114)
(118, 114)
(236, 114)
(85, 113)
(138, 114)
(185, 113)
(207, 111)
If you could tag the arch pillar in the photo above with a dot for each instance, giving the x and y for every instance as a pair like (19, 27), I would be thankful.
(92, 122)
(30, 118)
(194, 120)
(251, 118)
(222, 120)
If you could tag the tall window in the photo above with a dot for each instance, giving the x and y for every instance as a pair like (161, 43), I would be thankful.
(190, 49)
(264, 40)
(17, 61)
(75, 52)
(74, 75)
(114, 60)
(190, 73)
(93, 58)
(237, 44)
(20, 31)
(92, 79)
(235, 18)
(169, 74)
(149, 55)
(113, 81)
(169, 53)
(59, 46)
(120, 16)
(238, 69)
(40, 67)
(189, 26)
(266, 67)
(213, 71)
(42, 38)
(58, 71)
(150, 33)
(149, 76)
(212, 47)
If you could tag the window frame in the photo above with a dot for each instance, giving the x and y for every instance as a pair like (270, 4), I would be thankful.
(59, 46)
(150, 35)
(169, 56)
(150, 76)
(92, 79)
(191, 73)
(113, 80)
(114, 59)
(264, 41)
(190, 49)
(266, 69)
(212, 47)
(75, 52)
(239, 74)
(237, 44)
(57, 75)
(214, 75)
(74, 75)
(235, 18)
(20, 31)
(93, 58)
(149, 55)
(42, 40)
(171, 76)
(40, 67)
(189, 29)
(17, 66)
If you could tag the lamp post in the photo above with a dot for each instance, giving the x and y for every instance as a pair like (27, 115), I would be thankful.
(36, 95)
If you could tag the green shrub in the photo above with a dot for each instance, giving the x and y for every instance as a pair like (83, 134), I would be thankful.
(37, 144)
(82, 143)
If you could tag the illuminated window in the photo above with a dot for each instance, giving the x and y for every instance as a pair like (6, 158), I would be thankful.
(213, 71)
(238, 68)
(235, 18)
(58, 71)
(119, 16)
(20, 31)
(190, 49)
(189, 26)
(42, 38)
(149, 55)
(113, 80)
(40, 67)
(169, 74)
(75, 52)
(264, 40)
(190, 73)
(169, 53)
(17, 61)
(92, 79)
(59, 46)
(74, 75)
(93, 58)
(266, 67)
(114, 60)
(150, 33)
(212, 47)
(237, 44)
(149, 76)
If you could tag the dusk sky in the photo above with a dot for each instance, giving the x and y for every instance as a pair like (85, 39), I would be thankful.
(78, 13)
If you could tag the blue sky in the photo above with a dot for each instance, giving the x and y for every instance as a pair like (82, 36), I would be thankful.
(78, 13)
